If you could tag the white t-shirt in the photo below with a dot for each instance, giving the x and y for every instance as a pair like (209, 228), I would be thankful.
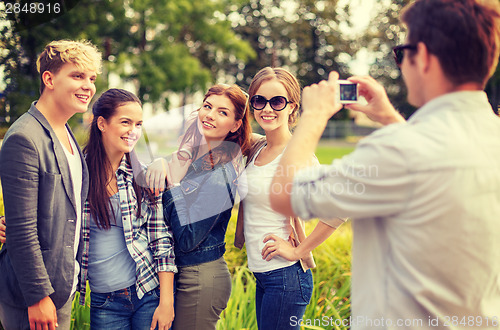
(259, 219)
(424, 198)
(76, 172)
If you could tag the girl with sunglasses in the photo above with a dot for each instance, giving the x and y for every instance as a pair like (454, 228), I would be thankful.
(202, 180)
(284, 281)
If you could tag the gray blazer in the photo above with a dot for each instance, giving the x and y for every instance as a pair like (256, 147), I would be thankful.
(38, 258)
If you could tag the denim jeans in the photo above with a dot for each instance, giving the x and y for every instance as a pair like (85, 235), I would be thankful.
(281, 297)
(122, 309)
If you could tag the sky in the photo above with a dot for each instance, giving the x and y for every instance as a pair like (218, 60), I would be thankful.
(362, 11)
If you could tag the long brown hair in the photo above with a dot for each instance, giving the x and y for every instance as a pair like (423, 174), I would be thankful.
(97, 160)
(240, 138)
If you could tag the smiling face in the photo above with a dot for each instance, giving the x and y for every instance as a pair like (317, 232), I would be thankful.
(216, 118)
(121, 131)
(72, 88)
(268, 118)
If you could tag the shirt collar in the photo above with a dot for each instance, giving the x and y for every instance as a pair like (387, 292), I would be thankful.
(125, 168)
(458, 101)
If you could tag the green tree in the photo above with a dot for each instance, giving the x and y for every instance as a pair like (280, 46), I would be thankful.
(178, 46)
(162, 46)
(301, 35)
(384, 32)
(21, 44)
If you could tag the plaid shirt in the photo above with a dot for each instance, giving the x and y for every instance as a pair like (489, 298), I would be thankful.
(150, 245)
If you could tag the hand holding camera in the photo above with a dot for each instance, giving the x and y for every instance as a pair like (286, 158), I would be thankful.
(378, 108)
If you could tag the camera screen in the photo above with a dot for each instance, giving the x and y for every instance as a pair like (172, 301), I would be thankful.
(348, 92)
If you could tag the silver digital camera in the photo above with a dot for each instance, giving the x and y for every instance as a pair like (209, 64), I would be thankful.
(347, 92)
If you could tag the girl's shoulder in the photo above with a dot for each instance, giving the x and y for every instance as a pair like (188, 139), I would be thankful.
(258, 141)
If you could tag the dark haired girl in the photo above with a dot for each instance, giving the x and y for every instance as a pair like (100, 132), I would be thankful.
(128, 256)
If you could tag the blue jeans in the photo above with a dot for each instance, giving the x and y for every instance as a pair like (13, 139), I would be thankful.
(122, 309)
(281, 296)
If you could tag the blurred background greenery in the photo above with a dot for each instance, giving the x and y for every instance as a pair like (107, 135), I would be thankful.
(169, 50)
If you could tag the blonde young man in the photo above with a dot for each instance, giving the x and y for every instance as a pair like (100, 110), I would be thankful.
(45, 182)
(423, 195)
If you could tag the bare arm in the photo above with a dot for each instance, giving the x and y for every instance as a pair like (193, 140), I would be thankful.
(164, 313)
(319, 104)
(279, 247)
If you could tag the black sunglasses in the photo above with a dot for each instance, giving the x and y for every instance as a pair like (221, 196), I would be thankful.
(399, 53)
(277, 103)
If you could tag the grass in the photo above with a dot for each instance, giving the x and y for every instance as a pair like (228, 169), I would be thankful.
(327, 153)
(331, 296)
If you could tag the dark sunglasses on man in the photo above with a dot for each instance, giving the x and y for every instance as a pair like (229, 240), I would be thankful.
(399, 52)
(277, 103)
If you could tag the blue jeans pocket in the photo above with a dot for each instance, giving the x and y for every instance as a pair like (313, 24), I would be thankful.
(306, 284)
(99, 300)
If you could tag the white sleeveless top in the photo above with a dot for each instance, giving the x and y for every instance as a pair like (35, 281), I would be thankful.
(259, 219)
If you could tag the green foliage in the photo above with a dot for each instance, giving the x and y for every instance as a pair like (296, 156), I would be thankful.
(303, 36)
(80, 315)
(383, 33)
(161, 46)
(332, 278)
(240, 311)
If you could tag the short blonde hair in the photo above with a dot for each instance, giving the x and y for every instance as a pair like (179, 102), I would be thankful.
(83, 54)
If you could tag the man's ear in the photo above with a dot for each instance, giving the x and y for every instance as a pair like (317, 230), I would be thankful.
(422, 57)
(48, 79)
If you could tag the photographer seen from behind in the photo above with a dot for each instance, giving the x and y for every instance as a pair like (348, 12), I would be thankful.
(423, 195)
